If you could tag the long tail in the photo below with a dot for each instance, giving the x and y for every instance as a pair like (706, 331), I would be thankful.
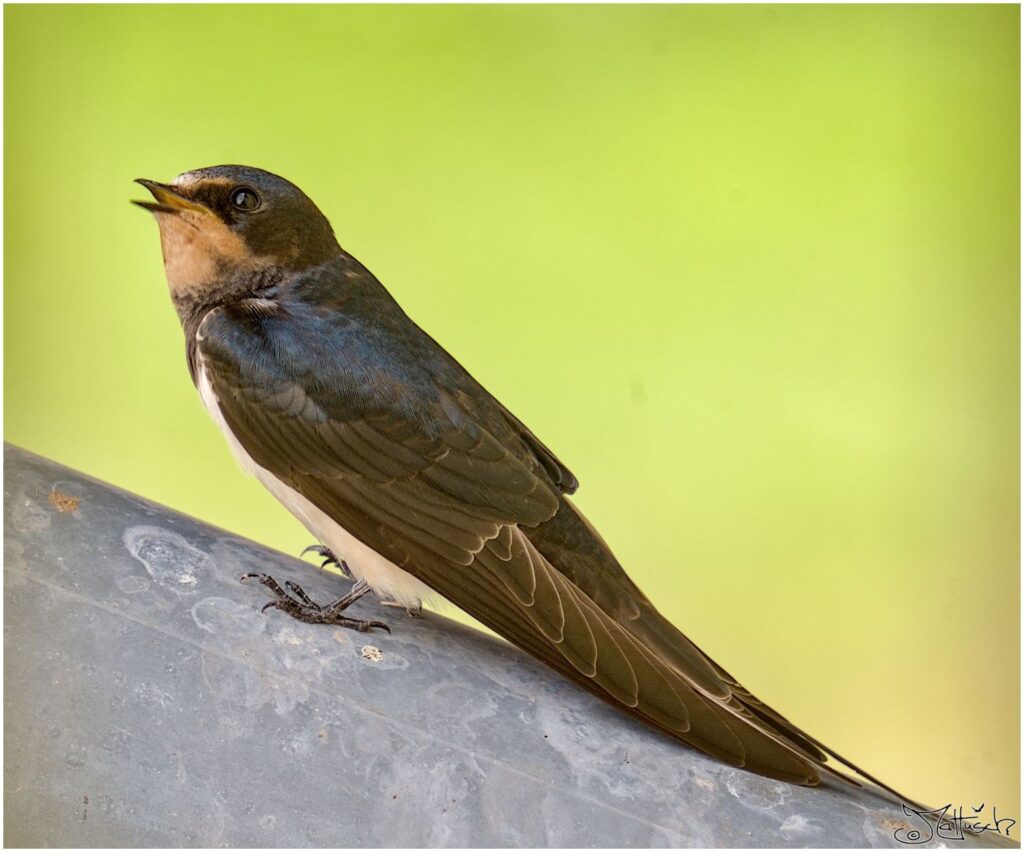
(647, 667)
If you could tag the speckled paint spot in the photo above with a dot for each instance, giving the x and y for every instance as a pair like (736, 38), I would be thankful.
(62, 501)
(796, 826)
(170, 560)
(227, 618)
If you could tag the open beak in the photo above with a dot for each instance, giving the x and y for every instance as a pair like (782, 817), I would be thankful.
(167, 200)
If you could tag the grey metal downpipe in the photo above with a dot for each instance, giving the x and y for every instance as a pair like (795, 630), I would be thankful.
(148, 702)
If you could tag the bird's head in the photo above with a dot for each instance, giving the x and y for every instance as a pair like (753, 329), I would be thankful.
(224, 225)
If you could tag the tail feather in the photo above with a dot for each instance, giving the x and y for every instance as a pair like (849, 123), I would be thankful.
(776, 726)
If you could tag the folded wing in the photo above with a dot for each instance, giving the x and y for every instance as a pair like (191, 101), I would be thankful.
(453, 489)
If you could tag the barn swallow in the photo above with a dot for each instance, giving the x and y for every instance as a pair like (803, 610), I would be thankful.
(393, 456)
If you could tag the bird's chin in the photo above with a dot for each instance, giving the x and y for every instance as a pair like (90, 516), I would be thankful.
(197, 249)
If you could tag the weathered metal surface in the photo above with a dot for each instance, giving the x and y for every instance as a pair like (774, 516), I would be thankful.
(149, 702)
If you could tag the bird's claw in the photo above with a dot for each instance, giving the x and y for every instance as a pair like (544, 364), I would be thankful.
(296, 603)
(329, 558)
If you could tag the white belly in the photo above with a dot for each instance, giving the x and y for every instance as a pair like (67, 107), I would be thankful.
(384, 577)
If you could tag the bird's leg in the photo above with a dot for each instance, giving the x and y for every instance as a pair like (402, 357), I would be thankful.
(299, 605)
(329, 558)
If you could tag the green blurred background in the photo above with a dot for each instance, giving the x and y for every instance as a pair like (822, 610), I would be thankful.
(751, 271)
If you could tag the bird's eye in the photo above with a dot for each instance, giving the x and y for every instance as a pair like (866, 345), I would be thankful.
(244, 198)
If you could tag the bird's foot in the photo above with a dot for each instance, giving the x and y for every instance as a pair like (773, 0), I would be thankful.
(299, 605)
(329, 558)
